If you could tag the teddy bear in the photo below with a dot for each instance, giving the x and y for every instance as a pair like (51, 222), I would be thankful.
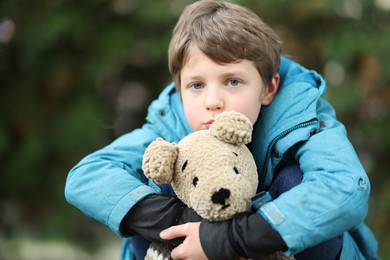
(211, 171)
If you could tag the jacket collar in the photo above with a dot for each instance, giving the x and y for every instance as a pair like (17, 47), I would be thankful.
(167, 115)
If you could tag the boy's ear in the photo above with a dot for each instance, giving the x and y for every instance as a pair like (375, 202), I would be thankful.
(271, 90)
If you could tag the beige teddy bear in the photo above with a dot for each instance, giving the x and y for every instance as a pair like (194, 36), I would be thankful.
(211, 171)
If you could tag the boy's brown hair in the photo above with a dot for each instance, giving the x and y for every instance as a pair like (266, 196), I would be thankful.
(226, 33)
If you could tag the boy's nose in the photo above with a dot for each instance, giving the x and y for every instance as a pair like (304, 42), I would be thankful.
(213, 101)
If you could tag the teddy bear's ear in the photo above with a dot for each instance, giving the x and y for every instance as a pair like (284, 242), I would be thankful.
(232, 127)
(159, 160)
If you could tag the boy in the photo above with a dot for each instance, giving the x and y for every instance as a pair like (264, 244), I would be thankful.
(223, 57)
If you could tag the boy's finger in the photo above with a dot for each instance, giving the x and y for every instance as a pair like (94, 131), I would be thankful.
(173, 232)
(177, 252)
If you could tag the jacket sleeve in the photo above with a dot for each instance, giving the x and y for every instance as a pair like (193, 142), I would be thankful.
(107, 183)
(333, 195)
(166, 211)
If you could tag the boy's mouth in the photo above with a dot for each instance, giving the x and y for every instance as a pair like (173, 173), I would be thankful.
(209, 123)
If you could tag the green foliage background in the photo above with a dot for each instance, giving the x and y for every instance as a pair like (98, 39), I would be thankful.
(76, 74)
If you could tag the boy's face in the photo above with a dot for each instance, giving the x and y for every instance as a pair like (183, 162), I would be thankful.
(209, 88)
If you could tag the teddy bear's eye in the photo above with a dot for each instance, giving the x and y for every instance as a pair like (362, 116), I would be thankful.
(184, 165)
(236, 170)
(195, 181)
(235, 153)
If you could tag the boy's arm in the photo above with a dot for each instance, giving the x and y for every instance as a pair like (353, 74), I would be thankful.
(247, 234)
(166, 211)
(323, 206)
(108, 183)
(334, 182)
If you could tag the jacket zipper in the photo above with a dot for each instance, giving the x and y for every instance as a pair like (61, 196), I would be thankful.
(280, 136)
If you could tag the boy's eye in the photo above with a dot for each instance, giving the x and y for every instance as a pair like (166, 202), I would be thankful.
(196, 86)
(233, 82)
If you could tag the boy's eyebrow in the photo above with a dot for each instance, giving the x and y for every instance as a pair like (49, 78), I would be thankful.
(228, 74)
(192, 78)
(235, 73)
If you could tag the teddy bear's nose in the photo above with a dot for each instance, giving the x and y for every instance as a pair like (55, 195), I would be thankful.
(220, 196)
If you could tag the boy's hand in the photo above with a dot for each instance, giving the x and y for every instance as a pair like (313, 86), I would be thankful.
(191, 247)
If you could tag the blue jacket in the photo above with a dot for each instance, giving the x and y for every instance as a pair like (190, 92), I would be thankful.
(298, 126)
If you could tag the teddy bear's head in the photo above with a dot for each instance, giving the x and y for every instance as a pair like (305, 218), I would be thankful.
(212, 171)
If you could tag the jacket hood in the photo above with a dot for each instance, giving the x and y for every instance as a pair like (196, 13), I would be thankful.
(294, 105)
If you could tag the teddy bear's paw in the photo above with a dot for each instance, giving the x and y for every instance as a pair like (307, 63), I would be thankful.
(155, 255)
(159, 161)
(232, 127)
(158, 251)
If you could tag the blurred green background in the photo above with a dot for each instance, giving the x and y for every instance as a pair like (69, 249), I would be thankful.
(76, 74)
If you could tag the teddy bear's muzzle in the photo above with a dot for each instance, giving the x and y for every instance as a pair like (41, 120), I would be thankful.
(220, 197)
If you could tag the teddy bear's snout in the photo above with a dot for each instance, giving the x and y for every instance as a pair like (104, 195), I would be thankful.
(220, 196)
